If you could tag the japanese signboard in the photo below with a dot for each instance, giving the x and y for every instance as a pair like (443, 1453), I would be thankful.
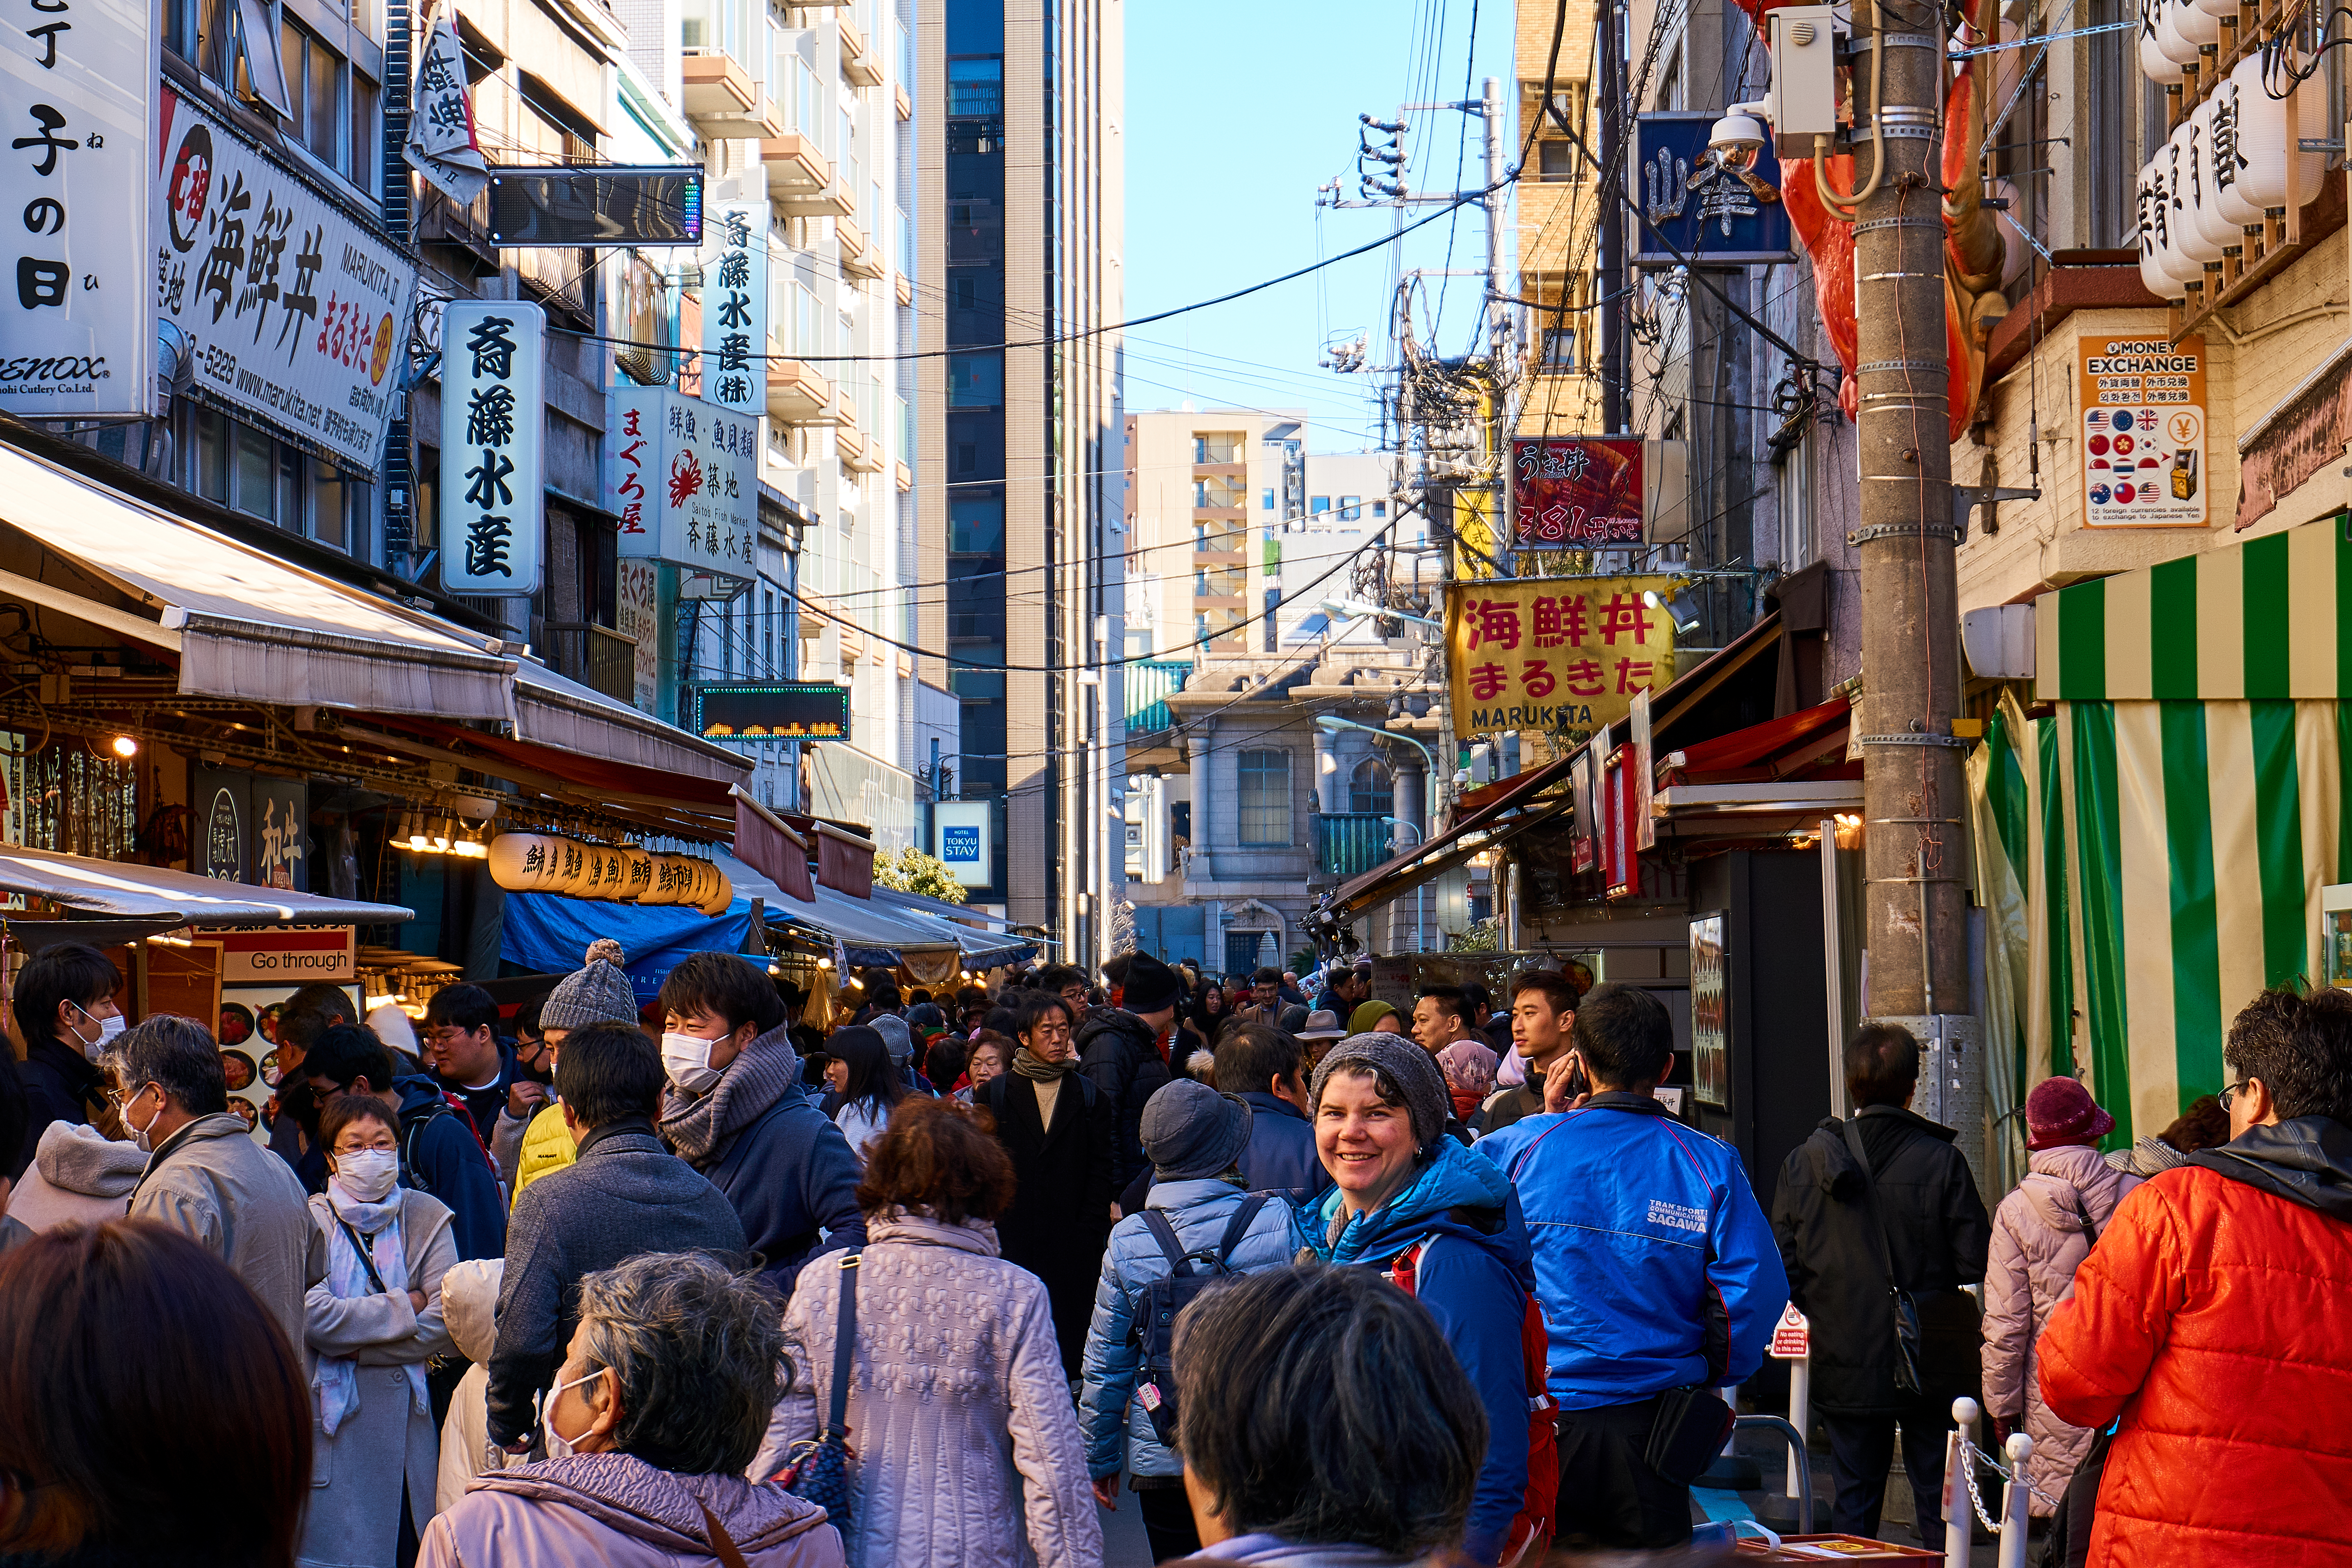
(772, 710)
(221, 803)
(73, 182)
(1710, 1012)
(2143, 431)
(1562, 656)
(493, 425)
(296, 312)
(441, 141)
(1713, 213)
(1576, 494)
(683, 476)
(281, 833)
(735, 308)
(636, 613)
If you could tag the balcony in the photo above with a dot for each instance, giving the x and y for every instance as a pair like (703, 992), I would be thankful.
(858, 257)
(906, 291)
(797, 395)
(721, 99)
(904, 475)
(1148, 682)
(832, 200)
(858, 62)
(796, 168)
(597, 656)
(904, 105)
(859, 453)
(1350, 843)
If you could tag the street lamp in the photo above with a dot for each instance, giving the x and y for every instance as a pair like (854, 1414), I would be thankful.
(1396, 825)
(1356, 610)
(1329, 722)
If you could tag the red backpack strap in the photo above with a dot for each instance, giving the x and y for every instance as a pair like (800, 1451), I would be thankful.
(1404, 1268)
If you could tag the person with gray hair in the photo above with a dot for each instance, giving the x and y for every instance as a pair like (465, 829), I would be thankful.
(660, 1403)
(206, 1177)
(1325, 1421)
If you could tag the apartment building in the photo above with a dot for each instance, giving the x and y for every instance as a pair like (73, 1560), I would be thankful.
(1020, 533)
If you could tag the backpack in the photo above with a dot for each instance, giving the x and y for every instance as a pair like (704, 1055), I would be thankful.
(1154, 1328)
(412, 1123)
(1533, 1522)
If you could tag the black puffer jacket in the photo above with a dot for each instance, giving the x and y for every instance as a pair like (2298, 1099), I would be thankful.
(1119, 1052)
(1937, 1233)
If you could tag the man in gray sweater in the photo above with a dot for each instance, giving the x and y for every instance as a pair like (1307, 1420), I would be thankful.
(625, 1196)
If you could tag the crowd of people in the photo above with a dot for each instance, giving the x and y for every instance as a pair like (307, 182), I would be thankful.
(1301, 1277)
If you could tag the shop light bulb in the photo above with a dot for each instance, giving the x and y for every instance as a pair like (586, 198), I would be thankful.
(126, 746)
(824, 964)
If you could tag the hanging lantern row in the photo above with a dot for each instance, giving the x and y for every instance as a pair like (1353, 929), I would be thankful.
(2224, 168)
(550, 863)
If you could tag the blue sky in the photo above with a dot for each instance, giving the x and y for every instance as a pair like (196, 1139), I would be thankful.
(1235, 114)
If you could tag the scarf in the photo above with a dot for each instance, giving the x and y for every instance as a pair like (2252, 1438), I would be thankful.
(378, 1225)
(1037, 1070)
(748, 1088)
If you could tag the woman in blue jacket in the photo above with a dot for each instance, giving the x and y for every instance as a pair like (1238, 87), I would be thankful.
(1194, 1137)
(1380, 1106)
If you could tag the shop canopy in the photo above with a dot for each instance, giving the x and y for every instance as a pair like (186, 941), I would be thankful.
(246, 626)
(548, 934)
(2151, 854)
(156, 893)
(872, 935)
(982, 948)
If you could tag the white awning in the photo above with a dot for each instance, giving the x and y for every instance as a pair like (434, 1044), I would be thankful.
(246, 625)
(111, 888)
(553, 711)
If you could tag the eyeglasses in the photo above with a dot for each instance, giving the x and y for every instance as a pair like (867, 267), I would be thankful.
(2231, 1093)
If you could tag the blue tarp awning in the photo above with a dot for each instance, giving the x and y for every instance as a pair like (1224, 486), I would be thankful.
(550, 933)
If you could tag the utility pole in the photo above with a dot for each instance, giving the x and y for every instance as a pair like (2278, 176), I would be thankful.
(1614, 412)
(1915, 853)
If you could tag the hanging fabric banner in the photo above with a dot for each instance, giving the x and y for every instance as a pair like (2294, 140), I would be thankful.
(441, 141)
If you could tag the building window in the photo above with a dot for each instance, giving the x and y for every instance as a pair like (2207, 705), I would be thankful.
(975, 89)
(1797, 505)
(1370, 787)
(1317, 505)
(1559, 348)
(1559, 163)
(1266, 799)
(1379, 509)
(256, 476)
(975, 381)
(314, 84)
(976, 526)
(1265, 499)
(1351, 508)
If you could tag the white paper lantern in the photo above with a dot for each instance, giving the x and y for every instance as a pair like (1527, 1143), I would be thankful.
(2173, 226)
(526, 862)
(2225, 115)
(2263, 137)
(721, 894)
(2221, 10)
(637, 873)
(2204, 210)
(2170, 41)
(2195, 24)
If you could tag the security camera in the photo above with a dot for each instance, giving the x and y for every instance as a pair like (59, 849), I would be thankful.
(1739, 136)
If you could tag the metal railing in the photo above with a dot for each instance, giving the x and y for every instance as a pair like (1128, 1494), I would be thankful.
(1350, 843)
(597, 656)
(1148, 682)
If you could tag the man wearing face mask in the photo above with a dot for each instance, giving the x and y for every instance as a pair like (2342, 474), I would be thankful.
(735, 1111)
(64, 1009)
(206, 1178)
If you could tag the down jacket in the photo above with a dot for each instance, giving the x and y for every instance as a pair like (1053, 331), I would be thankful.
(2215, 1318)
(965, 1449)
(2038, 1242)
(1198, 1212)
(617, 1511)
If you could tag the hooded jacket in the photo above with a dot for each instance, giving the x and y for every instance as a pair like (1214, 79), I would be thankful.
(469, 1301)
(1121, 1052)
(1474, 1279)
(787, 1170)
(1281, 1154)
(212, 1184)
(445, 1159)
(77, 1174)
(61, 1085)
(1653, 1264)
(1198, 1212)
(2215, 1319)
(1937, 1233)
(618, 1511)
(2039, 1239)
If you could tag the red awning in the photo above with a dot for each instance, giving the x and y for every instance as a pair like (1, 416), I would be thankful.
(1789, 746)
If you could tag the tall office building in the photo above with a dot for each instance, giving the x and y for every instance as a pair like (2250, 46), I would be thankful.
(1019, 232)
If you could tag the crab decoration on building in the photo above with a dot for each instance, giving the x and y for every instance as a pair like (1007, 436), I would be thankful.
(1976, 255)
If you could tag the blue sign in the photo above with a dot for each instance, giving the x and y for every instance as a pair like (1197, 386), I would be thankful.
(1717, 213)
(960, 846)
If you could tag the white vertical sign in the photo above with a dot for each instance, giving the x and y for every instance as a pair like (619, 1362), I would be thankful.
(683, 476)
(77, 101)
(493, 360)
(735, 308)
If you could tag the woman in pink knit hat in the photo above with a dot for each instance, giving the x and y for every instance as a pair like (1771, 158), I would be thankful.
(2041, 1235)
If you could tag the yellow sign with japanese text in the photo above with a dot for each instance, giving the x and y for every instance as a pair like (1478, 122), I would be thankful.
(1559, 656)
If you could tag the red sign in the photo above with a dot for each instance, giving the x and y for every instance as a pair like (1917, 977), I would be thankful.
(1576, 494)
(1792, 1337)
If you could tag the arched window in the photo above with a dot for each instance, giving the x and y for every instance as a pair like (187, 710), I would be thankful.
(1369, 788)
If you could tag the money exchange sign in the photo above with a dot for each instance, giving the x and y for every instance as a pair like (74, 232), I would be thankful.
(297, 312)
(1555, 655)
(2143, 431)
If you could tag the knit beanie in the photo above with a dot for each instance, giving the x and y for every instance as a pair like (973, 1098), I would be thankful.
(598, 994)
(896, 1039)
(1191, 1133)
(1367, 1014)
(2060, 1112)
(1409, 1066)
(1149, 986)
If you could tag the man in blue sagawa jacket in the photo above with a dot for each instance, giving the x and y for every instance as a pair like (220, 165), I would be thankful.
(1655, 1268)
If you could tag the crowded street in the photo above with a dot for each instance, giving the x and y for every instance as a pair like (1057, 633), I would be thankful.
(873, 783)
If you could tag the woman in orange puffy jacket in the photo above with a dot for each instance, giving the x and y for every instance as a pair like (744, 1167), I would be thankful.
(2215, 1319)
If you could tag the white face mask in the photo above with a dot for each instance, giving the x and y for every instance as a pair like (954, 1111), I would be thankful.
(109, 1029)
(143, 1138)
(687, 1059)
(558, 1446)
(368, 1174)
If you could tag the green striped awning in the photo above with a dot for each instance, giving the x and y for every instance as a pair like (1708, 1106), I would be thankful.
(2260, 619)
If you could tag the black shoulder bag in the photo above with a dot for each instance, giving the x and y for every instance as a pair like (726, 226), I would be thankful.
(1905, 1309)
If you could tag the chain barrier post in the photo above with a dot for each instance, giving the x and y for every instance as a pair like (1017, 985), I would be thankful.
(2016, 1503)
(1959, 1518)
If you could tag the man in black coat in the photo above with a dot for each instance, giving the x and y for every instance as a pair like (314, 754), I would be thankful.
(1937, 1235)
(66, 1011)
(1058, 1128)
(1123, 1050)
